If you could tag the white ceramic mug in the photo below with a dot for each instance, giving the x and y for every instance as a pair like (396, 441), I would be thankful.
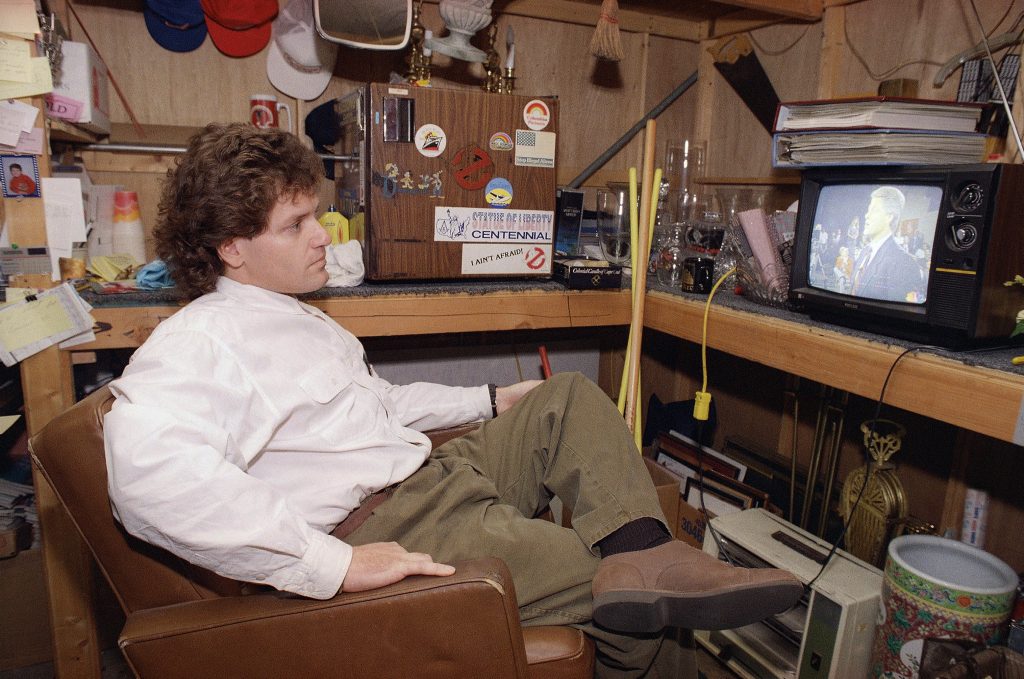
(265, 111)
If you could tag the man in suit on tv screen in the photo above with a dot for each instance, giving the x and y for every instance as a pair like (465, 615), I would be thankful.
(884, 270)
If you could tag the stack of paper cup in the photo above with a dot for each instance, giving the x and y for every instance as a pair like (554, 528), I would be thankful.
(129, 236)
(972, 531)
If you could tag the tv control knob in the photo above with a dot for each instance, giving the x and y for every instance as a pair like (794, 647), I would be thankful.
(964, 235)
(968, 198)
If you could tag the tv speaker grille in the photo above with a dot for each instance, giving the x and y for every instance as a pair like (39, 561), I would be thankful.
(950, 302)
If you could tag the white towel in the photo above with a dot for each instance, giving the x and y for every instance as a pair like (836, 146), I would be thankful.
(345, 265)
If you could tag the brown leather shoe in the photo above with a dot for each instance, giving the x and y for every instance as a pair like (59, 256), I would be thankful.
(676, 585)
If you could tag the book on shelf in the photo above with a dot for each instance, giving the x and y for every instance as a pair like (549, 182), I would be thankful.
(878, 112)
(876, 147)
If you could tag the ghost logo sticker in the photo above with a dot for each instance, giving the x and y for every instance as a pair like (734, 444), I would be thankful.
(431, 140)
(498, 192)
(473, 168)
(535, 258)
(536, 114)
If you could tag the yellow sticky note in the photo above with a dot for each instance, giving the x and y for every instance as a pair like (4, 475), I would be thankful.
(41, 83)
(15, 60)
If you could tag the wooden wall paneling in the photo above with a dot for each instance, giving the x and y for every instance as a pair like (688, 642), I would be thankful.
(992, 466)
(930, 34)
(739, 146)
(171, 88)
(670, 63)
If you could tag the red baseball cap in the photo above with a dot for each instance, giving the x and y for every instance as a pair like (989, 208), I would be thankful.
(239, 28)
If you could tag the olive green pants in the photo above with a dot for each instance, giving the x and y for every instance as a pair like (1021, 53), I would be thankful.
(477, 496)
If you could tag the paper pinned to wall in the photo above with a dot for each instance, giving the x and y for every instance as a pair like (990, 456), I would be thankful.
(41, 83)
(18, 17)
(16, 117)
(65, 218)
(15, 60)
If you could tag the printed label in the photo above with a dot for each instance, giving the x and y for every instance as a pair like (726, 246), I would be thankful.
(535, 149)
(492, 225)
(505, 259)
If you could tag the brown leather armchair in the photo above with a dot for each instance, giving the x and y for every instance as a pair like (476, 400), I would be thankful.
(183, 621)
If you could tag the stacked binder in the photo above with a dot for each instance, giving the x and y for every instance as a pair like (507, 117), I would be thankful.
(877, 131)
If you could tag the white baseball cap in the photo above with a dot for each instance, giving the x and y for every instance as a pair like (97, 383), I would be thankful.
(299, 62)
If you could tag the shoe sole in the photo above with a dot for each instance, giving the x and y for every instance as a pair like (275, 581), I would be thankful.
(648, 612)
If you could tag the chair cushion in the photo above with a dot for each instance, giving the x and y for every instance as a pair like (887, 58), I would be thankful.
(558, 653)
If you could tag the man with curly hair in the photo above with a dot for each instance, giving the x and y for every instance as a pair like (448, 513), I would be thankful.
(251, 436)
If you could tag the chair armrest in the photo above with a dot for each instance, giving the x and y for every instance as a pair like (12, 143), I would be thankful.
(466, 624)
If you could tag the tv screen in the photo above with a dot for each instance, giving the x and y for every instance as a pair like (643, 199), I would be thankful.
(873, 240)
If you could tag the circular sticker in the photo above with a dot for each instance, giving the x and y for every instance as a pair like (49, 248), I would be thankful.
(498, 192)
(501, 141)
(431, 140)
(536, 114)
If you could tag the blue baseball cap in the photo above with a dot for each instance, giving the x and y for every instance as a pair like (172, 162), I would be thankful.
(176, 25)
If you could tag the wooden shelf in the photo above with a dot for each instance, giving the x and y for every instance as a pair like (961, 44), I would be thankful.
(853, 364)
(61, 130)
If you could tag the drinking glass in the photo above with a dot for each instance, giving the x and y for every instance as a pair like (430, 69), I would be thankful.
(669, 262)
(613, 225)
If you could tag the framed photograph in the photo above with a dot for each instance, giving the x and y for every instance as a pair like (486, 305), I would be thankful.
(686, 452)
(718, 502)
(19, 176)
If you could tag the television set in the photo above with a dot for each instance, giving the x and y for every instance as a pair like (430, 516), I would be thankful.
(915, 252)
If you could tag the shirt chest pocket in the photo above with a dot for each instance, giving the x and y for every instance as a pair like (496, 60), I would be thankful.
(339, 405)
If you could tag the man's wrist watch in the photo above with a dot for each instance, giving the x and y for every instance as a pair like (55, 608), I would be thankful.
(493, 391)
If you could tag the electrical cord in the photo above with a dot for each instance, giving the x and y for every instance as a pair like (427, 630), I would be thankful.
(700, 412)
(867, 471)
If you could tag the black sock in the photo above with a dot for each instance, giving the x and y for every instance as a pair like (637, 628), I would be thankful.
(642, 533)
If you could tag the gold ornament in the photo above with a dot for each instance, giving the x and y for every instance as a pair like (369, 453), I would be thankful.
(883, 506)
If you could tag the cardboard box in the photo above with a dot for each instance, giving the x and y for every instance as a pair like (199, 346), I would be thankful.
(585, 274)
(83, 80)
(691, 524)
(687, 522)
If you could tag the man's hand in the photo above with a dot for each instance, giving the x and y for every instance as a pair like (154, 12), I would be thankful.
(384, 563)
(506, 397)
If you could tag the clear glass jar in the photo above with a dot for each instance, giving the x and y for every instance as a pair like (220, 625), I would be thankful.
(669, 264)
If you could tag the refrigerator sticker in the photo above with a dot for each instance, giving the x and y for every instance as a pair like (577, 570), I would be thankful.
(473, 168)
(535, 149)
(498, 192)
(493, 225)
(500, 141)
(431, 140)
(536, 114)
(505, 259)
